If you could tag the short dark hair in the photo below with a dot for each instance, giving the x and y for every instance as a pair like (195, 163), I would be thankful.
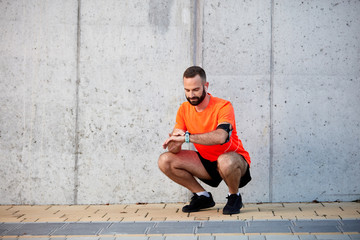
(193, 71)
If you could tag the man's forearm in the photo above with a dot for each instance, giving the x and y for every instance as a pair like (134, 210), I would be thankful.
(215, 137)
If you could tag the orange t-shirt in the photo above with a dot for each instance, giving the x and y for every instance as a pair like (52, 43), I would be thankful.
(218, 111)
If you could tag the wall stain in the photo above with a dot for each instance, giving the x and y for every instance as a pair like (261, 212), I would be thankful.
(159, 14)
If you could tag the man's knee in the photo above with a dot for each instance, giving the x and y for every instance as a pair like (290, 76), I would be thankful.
(229, 161)
(225, 162)
(164, 161)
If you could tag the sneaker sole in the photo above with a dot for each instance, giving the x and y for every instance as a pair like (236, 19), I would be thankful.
(230, 213)
(198, 209)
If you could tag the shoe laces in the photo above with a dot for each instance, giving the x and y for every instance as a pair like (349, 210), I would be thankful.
(194, 198)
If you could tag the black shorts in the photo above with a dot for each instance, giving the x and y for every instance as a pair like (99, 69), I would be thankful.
(211, 168)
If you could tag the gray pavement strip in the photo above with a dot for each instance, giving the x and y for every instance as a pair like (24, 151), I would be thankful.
(350, 222)
(178, 224)
(281, 237)
(34, 229)
(181, 238)
(273, 223)
(350, 225)
(223, 223)
(174, 227)
(355, 237)
(128, 238)
(128, 228)
(81, 228)
(268, 229)
(5, 227)
(151, 238)
(207, 238)
(220, 230)
(185, 227)
(221, 227)
(256, 237)
(305, 223)
(167, 230)
(307, 237)
(350, 228)
(231, 238)
(278, 226)
(315, 229)
(333, 237)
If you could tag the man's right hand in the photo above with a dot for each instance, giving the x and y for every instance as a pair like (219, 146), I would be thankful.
(171, 143)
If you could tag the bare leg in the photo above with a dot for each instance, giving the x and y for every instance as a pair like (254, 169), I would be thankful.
(182, 167)
(232, 167)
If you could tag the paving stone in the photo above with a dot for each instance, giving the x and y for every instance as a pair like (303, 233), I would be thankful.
(156, 238)
(132, 238)
(350, 225)
(307, 237)
(221, 227)
(78, 238)
(81, 229)
(355, 237)
(301, 223)
(267, 229)
(269, 223)
(34, 229)
(32, 238)
(281, 237)
(207, 238)
(234, 229)
(350, 222)
(178, 224)
(181, 238)
(315, 229)
(2, 230)
(223, 223)
(171, 230)
(333, 237)
(256, 237)
(7, 227)
(127, 228)
(350, 228)
(220, 237)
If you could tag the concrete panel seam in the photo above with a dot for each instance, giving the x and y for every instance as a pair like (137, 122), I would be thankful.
(198, 32)
(76, 155)
(271, 96)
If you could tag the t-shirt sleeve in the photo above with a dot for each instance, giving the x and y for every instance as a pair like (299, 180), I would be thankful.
(226, 114)
(180, 121)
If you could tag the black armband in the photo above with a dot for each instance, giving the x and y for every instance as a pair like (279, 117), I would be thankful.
(226, 127)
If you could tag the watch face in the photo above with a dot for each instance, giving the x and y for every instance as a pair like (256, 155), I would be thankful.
(187, 137)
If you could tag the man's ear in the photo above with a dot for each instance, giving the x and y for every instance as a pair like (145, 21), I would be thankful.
(206, 86)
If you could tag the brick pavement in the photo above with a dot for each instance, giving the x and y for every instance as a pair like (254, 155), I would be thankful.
(334, 220)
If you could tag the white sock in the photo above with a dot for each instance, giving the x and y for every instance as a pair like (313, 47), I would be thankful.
(204, 193)
(237, 194)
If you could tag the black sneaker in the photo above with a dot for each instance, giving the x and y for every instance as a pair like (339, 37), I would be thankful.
(199, 202)
(233, 205)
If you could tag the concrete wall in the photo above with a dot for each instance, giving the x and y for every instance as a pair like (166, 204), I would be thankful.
(90, 89)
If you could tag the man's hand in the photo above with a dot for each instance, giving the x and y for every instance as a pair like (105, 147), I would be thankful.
(175, 140)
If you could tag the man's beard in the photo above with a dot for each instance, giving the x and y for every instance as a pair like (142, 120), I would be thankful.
(197, 100)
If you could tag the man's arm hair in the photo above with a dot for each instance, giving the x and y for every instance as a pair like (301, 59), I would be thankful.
(218, 136)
